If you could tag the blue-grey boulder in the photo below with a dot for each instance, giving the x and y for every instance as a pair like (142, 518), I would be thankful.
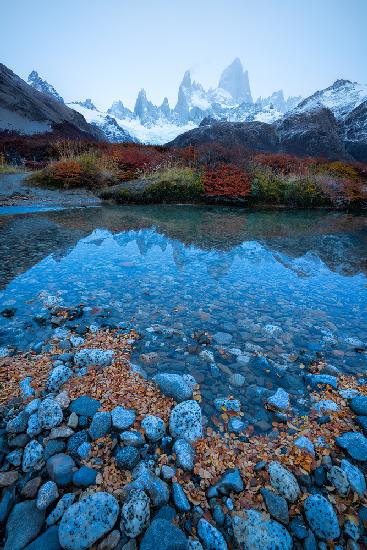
(135, 514)
(185, 454)
(355, 444)
(211, 538)
(164, 535)
(122, 419)
(23, 525)
(359, 405)
(179, 498)
(49, 413)
(126, 458)
(133, 438)
(76, 440)
(283, 481)
(355, 477)
(93, 356)
(85, 406)
(58, 376)
(255, 533)
(100, 425)
(186, 421)
(84, 477)
(276, 505)
(85, 522)
(321, 517)
(60, 469)
(47, 494)
(32, 456)
(49, 540)
(154, 427)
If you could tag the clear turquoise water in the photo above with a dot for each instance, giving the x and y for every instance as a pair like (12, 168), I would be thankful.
(292, 283)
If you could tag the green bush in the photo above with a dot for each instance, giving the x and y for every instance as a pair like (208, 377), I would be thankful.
(268, 186)
(174, 183)
(292, 190)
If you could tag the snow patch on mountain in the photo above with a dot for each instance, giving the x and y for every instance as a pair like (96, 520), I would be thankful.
(113, 131)
(341, 98)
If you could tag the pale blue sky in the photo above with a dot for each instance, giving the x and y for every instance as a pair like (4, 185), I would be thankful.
(109, 49)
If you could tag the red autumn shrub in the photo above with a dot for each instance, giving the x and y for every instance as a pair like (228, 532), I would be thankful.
(226, 180)
(284, 164)
(135, 158)
(343, 192)
(67, 170)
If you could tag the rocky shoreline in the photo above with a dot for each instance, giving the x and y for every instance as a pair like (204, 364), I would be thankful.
(95, 455)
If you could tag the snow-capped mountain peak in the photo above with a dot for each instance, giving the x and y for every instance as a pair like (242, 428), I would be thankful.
(43, 86)
(87, 103)
(341, 98)
(236, 81)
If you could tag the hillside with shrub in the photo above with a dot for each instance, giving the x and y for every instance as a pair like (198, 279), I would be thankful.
(208, 173)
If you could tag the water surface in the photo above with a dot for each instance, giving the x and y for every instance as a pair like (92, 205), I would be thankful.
(284, 285)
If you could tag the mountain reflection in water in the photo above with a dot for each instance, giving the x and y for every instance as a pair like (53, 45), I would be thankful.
(289, 282)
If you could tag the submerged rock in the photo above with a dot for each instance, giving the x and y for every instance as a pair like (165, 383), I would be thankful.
(322, 379)
(224, 404)
(87, 521)
(222, 338)
(174, 385)
(279, 401)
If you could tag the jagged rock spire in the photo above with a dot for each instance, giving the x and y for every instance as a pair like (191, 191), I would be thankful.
(235, 81)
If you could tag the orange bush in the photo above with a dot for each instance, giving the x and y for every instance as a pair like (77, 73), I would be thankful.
(226, 180)
(67, 170)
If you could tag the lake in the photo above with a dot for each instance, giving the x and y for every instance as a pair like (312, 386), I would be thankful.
(211, 291)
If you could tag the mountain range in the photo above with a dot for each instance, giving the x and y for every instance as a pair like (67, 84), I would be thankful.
(231, 100)
(331, 122)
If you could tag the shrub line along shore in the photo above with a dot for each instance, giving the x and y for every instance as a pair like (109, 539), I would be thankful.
(207, 173)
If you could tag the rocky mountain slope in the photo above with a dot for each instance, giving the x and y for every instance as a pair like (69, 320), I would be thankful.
(43, 86)
(25, 110)
(331, 123)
